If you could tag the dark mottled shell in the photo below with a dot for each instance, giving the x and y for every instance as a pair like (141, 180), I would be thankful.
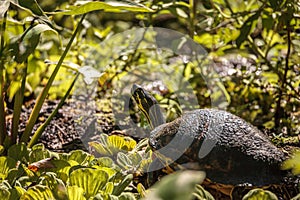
(228, 148)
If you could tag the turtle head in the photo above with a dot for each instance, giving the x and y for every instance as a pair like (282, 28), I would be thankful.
(148, 105)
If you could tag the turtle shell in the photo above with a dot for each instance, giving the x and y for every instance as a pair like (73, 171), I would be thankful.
(226, 147)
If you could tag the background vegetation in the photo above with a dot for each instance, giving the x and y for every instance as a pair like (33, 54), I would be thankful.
(45, 44)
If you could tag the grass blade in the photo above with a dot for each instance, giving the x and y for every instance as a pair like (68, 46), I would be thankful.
(40, 130)
(41, 98)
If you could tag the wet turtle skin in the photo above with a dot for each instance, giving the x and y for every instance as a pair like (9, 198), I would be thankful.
(226, 147)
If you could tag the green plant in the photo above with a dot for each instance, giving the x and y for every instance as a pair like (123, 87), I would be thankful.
(293, 163)
(260, 194)
(17, 47)
(179, 185)
(40, 174)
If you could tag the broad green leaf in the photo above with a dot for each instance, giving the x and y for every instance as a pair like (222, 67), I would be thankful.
(100, 148)
(201, 193)
(16, 192)
(118, 189)
(110, 172)
(22, 49)
(104, 162)
(141, 144)
(109, 187)
(75, 193)
(4, 194)
(129, 161)
(6, 164)
(19, 152)
(26, 44)
(1, 149)
(78, 156)
(124, 161)
(260, 194)
(39, 146)
(37, 154)
(62, 169)
(119, 142)
(176, 186)
(14, 173)
(111, 145)
(37, 30)
(106, 6)
(33, 6)
(38, 192)
(141, 190)
(293, 163)
(55, 184)
(246, 28)
(91, 180)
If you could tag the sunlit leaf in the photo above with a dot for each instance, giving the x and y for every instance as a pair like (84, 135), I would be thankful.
(109, 187)
(6, 164)
(37, 30)
(181, 13)
(104, 162)
(141, 190)
(293, 163)
(111, 145)
(56, 185)
(118, 189)
(25, 45)
(91, 180)
(75, 193)
(260, 194)
(201, 193)
(38, 153)
(38, 192)
(106, 6)
(100, 148)
(110, 172)
(119, 142)
(124, 160)
(78, 156)
(1, 149)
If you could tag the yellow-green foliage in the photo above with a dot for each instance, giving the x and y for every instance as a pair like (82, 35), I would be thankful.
(293, 163)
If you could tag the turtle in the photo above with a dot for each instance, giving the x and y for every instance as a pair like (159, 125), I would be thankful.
(225, 146)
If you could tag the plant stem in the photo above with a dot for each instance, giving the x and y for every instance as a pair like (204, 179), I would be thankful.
(41, 98)
(40, 130)
(192, 17)
(2, 107)
(18, 106)
(2, 104)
